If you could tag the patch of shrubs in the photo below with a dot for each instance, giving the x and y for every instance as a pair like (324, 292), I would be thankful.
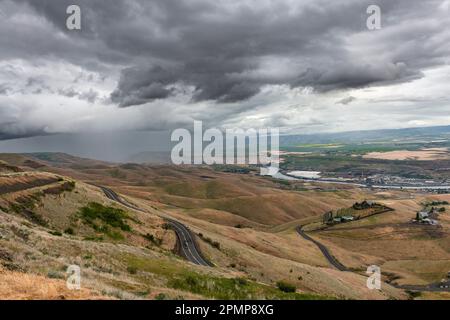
(26, 202)
(161, 296)
(30, 215)
(213, 243)
(231, 169)
(89, 238)
(69, 231)
(153, 239)
(286, 287)
(132, 270)
(240, 281)
(66, 186)
(413, 294)
(437, 203)
(24, 206)
(54, 275)
(100, 218)
(364, 205)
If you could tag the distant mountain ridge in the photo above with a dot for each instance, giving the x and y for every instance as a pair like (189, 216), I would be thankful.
(142, 152)
(428, 133)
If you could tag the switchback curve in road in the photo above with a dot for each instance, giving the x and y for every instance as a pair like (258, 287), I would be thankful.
(186, 241)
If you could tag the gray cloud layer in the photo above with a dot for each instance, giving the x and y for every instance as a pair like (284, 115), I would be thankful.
(219, 49)
(225, 52)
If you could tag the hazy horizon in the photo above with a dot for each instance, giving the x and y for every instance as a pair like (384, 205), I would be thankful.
(128, 146)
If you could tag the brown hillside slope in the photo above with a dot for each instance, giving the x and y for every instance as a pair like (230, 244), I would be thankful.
(247, 197)
(132, 266)
(22, 286)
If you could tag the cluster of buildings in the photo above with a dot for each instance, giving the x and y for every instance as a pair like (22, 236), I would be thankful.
(392, 179)
(427, 217)
(330, 218)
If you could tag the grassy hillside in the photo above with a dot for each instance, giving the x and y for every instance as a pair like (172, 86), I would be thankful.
(246, 196)
(24, 286)
(408, 253)
(128, 254)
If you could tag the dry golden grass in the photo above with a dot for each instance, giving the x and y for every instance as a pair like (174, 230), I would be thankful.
(213, 203)
(434, 296)
(247, 197)
(23, 286)
(270, 257)
(417, 254)
(104, 265)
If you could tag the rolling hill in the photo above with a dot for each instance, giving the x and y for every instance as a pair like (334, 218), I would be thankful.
(53, 215)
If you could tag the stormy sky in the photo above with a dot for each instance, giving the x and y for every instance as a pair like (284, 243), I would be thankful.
(304, 66)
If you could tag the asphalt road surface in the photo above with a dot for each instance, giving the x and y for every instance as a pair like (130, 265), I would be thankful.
(434, 287)
(331, 259)
(189, 249)
(186, 242)
(188, 246)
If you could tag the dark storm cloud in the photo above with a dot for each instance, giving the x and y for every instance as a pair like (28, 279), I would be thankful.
(4, 89)
(90, 96)
(11, 129)
(354, 76)
(6, 135)
(140, 85)
(346, 101)
(220, 48)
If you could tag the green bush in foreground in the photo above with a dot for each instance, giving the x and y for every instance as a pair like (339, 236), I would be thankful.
(286, 287)
(102, 218)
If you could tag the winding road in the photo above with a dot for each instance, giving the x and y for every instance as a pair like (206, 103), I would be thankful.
(433, 287)
(331, 259)
(188, 247)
